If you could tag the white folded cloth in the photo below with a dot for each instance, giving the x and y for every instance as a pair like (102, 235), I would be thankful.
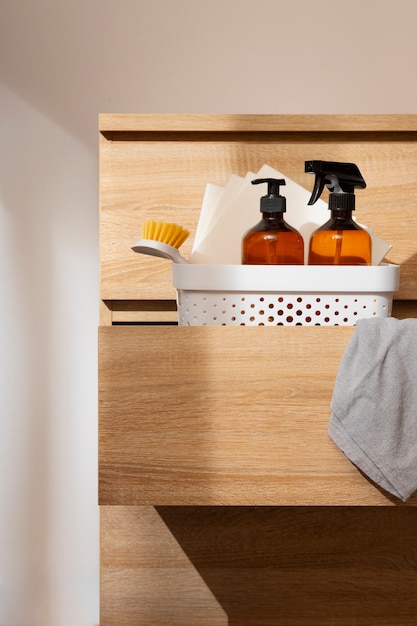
(374, 403)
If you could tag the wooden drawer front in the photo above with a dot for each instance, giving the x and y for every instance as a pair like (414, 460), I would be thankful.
(222, 415)
(161, 169)
(253, 566)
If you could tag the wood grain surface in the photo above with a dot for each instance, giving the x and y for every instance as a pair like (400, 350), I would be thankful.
(163, 175)
(258, 566)
(223, 415)
(110, 123)
(230, 416)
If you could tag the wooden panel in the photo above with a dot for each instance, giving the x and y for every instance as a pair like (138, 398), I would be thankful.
(223, 415)
(142, 311)
(162, 173)
(234, 566)
(208, 416)
(403, 309)
(144, 123)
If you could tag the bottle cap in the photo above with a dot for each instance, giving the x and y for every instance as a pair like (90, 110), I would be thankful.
(342, 201)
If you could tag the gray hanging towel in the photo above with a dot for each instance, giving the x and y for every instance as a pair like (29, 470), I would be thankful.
(374, 403)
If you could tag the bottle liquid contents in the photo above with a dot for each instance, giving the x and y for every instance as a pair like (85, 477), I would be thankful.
(272, 241)
(340, 241)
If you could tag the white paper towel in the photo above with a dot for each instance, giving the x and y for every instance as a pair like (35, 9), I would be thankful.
(210, 203)
(215, 203)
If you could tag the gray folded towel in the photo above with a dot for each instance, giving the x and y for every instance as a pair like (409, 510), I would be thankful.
(374, 403)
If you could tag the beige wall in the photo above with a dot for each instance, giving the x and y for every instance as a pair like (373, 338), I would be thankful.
(61, 63)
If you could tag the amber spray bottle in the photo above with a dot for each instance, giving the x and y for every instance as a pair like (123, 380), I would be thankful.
(340, 241)
(272, 241)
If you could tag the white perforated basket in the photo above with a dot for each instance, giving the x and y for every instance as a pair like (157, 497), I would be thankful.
(277, 295)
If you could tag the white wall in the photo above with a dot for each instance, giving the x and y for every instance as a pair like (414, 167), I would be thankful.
(61, 63)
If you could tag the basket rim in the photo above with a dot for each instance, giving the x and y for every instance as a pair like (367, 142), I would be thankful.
(384, 278)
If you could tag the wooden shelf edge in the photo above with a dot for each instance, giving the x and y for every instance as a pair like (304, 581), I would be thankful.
(257, 123)
(362, 496)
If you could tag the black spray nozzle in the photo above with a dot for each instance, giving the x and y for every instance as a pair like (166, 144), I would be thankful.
(339, 178)
(273, 202)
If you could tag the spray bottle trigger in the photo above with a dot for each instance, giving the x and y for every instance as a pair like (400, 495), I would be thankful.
(318, 189)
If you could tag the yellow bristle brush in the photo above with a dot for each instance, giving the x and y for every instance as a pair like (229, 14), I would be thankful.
(162, 239)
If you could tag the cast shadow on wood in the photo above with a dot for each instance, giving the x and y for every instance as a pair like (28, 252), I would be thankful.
(303, 565)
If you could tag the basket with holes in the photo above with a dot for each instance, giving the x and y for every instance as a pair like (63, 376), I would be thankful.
(274, 295)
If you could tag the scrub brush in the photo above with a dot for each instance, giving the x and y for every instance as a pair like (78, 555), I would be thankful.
(162, 239)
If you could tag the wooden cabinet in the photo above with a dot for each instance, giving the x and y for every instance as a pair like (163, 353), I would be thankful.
(223, 500)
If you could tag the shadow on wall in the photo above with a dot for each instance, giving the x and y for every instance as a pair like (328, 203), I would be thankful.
(26, 317)
(48, 430)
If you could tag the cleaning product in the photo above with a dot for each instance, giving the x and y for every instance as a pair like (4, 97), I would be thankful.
(340, 241)
(162, 239)
(272, 241)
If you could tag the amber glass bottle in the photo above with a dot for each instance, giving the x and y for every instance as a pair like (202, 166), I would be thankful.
(272, 241)
(340, 241)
